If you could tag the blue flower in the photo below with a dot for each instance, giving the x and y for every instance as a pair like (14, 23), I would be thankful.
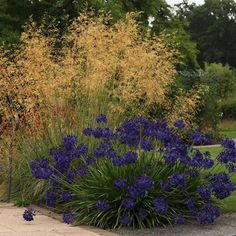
(179, 124)
(204, 192)
(125, 220)
(160, 206)
(82, 171)
(88, 131)
(118, 161)
(199, 138)
(101, 118)
(83, 149)
(208, 213)
(130, 157)
(146, 145)
(141, 187)
(231, 168)
(102, 205)
(29, 214)
(171, 157)
(228, 143)
(208, 163)
(190, 203)
(222, 186)
(51, 198)
(135, 191)
(69, 141)
(120, 183)
(68, 218)
(178, 219)
(66, 196)
(166, 186)
(193, 173)
(178, 181)
(145, 182)
(41, 169)
(128, 203)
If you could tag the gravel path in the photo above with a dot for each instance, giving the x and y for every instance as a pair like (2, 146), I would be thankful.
(224, 226)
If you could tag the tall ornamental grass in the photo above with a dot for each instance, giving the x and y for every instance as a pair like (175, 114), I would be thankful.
(140, 174)
(97, 66)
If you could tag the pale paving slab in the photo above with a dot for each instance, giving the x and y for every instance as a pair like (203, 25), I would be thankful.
(12, 224)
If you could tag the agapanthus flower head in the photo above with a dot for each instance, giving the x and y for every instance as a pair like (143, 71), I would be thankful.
(193, 173)
(29, 214)
(135, 191)
(178, 181)
(145, 182)
(120, 183)
(231, 168)
(128, 203)
(204, 192)
(179, 124)
(130, 157)
(221, 185)
(228, 143)
(171, 157)
(102, 205)
(178, 219)
(199, 138)
(160, 206)
(41, 169)
(66, 196)
(69, 217)
(166, 186)
(146, 145)
(101, 118)
(190, 203)
(125, 220)
(208, 213)
(88, 131)
(118, 161)
(69, 141)
(82, 149)
(51, 197)
(83, 170)
(208, 163)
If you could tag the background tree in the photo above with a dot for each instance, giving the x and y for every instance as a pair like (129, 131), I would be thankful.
(213, 26)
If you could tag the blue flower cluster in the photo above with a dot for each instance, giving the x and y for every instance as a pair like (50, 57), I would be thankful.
(102, 205)
(68, 217)
(199, 138)
(141, 187)
(123, 149)
(160, 206)
(228, 155)
(174, 181)
(29, 214)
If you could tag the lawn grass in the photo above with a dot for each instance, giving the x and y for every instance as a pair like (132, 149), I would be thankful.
(227, 128)
(228, 133)
(230, 202)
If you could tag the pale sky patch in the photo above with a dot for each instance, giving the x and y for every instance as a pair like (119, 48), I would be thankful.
(173, 2)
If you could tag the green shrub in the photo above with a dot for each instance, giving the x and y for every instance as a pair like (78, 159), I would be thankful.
(141, 175)
(228, 109)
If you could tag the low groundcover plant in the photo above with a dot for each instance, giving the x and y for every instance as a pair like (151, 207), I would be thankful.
(140, 174)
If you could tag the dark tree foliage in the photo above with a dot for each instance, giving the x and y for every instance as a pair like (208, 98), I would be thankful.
(213, 26)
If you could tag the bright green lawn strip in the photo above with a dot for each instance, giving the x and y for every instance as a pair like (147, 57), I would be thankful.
(230, 202)
(228, 133)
